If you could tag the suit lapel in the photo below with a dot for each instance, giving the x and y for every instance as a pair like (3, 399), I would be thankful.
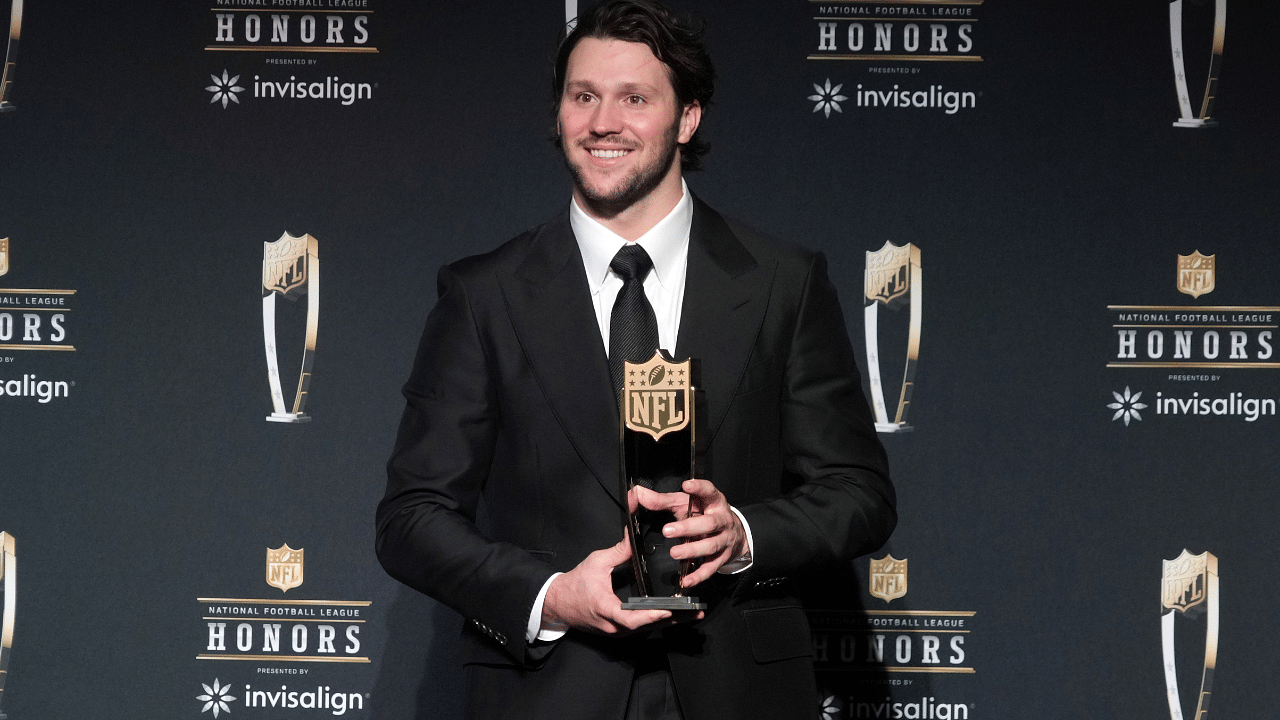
(549, 303)
(725, 296)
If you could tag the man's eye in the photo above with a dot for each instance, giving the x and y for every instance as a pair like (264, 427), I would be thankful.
(635, 100)
(585, 97)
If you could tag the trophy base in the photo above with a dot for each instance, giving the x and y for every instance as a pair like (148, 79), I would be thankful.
(894, 428)
(663, 603)
(289, 418)
(4, 108)
(1195, 123)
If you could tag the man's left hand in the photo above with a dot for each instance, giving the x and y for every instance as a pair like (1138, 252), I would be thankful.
(714, 534)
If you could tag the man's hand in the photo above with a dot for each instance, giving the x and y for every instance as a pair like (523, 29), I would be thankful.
(714, 533)
(583, 597)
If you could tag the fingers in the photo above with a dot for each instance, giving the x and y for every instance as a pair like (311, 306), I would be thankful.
(702, 574)
(706, 549)
(618, 554)
(651, 500)
(701, 488)
(631, 620)
(698, 525)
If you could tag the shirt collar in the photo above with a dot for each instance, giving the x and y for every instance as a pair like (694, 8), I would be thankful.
(667, 242)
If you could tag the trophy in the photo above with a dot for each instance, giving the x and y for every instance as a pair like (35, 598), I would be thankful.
(8, 600)
(290, 269)
(1179, 67)
(892, 280)
(659, 452)
(1189, 585)
(11, 55)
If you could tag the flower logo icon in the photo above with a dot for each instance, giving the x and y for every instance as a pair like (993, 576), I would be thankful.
(225, 89)
(832, 708)
(828, 98)
(215, 698)
(1127, 406)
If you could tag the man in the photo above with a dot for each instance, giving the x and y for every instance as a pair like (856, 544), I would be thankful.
(513, 399)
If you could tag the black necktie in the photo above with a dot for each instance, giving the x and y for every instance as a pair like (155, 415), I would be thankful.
(633, 328)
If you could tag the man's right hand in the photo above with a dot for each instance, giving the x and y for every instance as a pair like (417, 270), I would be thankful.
(583, 598)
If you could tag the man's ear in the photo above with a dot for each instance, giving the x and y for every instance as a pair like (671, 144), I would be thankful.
(690, 118)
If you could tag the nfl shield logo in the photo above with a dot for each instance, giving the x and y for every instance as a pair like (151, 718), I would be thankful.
(284, 567)
(4, 255)
(888, 578)
(888, 277)
(1196, 274)
(284, 266)
(656, 395)
(1183, 582)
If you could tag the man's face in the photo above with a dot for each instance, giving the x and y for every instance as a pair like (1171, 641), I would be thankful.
(620, 122)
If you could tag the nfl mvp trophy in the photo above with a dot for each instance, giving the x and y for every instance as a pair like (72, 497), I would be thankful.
(659, 449)
(290, 269)
(1179, 68)
(892, 280)
(8, 600)
(1189, 585)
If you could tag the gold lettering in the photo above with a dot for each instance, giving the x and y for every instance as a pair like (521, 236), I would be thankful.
(640, 408)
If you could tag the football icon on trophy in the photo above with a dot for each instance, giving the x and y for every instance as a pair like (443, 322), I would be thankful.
(892, 280)
(291, 270)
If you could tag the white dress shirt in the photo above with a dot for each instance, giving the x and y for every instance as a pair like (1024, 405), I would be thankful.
(667, 244)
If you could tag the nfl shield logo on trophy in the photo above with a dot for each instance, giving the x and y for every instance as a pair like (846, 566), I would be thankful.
(656, 395)
(888, 578)
(284, 266)
(1196, 274)
(284, 567)
(888, 277)
(1183, 585)
(4, 255)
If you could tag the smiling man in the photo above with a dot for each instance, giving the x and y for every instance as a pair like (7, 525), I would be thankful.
(513, 406)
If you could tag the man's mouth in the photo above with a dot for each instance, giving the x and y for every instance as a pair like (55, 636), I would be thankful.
(608, 154)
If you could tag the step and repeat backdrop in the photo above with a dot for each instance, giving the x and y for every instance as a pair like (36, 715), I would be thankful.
(1053, 227)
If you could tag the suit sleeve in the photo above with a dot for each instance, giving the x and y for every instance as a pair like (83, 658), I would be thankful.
(427, 536)
(842, 504)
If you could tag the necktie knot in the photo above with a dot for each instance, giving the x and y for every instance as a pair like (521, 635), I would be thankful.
(631, 263)
(633, 328)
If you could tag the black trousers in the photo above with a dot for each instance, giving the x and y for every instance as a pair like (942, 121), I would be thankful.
(653, 692)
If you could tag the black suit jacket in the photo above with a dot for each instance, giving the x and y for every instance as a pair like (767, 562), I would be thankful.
(510, 400)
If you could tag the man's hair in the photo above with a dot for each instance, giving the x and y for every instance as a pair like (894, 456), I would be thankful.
(675, 39)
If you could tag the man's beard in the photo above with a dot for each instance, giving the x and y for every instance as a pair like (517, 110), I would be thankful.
(633, 188)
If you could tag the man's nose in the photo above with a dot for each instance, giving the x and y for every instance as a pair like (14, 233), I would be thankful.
(606, 120)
